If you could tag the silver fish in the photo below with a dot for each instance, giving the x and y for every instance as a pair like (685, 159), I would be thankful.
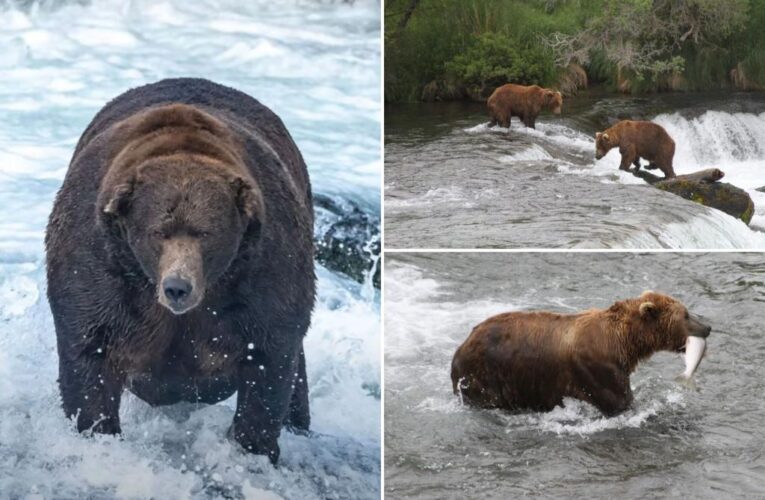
(695, 348)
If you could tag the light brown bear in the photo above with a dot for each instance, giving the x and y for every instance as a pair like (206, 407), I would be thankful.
(521, 101)
(532, 360)
(638, 139)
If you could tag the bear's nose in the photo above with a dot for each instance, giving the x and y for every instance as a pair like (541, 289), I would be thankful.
(176, 289)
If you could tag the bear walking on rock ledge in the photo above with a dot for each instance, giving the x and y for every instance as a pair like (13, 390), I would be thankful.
(180, 261)
(635, 140)
(532, 360)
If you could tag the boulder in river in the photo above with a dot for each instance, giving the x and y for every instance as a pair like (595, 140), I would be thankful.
(347, 238)
(704, 187)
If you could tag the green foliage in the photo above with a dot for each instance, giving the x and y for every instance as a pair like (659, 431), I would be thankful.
(650, 44)
(495, 59)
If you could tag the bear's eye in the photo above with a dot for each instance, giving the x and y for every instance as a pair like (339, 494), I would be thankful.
(198, 233)
(687, 316)
(159, 233)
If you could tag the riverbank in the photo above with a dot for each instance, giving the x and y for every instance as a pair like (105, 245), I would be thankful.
(632, 47)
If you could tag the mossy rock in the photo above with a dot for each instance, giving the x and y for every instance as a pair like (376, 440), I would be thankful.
(720, 195)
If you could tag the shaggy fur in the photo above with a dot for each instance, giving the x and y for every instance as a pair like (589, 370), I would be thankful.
(635, 140)
(524, 102)
(532, 360)
(184, 176)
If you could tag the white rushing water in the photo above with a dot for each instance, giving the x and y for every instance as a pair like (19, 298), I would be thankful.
(316, 64)
(732, 142)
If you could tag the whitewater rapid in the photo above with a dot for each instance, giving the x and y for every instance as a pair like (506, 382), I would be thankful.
(732, 142)
(317, 66)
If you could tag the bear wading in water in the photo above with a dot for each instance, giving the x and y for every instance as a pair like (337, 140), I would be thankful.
(532, 360)
(180, 261)
(635, 140)
(524, 102)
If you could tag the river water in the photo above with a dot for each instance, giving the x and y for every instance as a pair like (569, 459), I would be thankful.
(673, 442)
(317, 65)
(452, 182)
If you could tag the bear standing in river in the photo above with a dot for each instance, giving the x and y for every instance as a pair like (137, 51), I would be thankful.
(180, 261)
(637, 139)
(532, 360)
(521, 101)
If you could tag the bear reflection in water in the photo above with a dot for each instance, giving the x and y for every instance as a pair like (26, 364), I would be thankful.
(180, 261)
(532, 360)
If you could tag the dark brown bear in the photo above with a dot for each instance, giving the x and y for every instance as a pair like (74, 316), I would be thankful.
(532, 360)
(180, 261)
(636, 140)
(521, 101)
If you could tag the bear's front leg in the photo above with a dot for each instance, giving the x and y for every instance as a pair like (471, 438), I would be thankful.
(628, 157)
(603, 384)
(636, 162)
(265, 388)
(91, 391)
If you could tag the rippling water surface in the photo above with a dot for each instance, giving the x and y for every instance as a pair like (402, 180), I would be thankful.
(672, 442)
(452, 182)
(316, 64)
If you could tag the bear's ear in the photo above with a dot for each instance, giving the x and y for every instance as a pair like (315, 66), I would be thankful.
(598, 135)
(118, 201)
(605, 137)
(648, 309)
(248, 198)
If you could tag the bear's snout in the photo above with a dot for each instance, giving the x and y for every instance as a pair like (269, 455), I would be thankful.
(181, 277)
(698, 329)
(177, 290)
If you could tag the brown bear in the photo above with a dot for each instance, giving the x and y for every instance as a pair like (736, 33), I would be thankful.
(638, 139)
(524, 102)
(532, 360)
(180, 261)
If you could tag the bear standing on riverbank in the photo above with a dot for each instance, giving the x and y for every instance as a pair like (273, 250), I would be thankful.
(180, 261)
(532, 360)
(521, 101)
(638, 139)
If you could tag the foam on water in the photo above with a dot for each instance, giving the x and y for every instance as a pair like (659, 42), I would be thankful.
(315, 65)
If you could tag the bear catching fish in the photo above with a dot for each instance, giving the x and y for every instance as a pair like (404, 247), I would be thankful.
(532, 360)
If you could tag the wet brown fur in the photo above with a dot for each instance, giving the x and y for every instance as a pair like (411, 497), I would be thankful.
(636, 140)
(184, 160)
(524, 102)
(532, 360)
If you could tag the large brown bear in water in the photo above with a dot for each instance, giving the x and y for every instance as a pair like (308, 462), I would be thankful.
(638, 139)
(180, 261)
(524, 102)
(532, 360)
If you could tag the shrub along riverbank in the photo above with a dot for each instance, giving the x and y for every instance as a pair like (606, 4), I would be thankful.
(463, 49)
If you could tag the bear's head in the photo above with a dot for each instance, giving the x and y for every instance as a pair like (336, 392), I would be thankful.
(665, 323)
(183, 221)
(603, 144)
(553, 101)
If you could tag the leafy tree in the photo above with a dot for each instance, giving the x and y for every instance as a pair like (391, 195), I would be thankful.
(495, 59)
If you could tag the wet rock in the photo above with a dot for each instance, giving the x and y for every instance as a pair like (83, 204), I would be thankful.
(704, 187)
(346, 238)
(761, 189)
(441, 90)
